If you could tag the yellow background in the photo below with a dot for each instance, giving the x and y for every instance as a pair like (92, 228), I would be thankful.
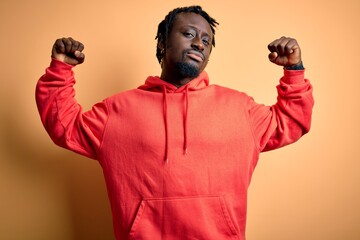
(309, 190)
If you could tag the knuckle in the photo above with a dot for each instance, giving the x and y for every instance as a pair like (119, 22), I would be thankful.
(58, 42)
(67, 44)
(66, 41)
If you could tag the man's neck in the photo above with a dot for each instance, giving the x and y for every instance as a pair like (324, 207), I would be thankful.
(175, 79)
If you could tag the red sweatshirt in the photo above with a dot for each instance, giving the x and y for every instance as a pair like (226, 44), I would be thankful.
(177, 162)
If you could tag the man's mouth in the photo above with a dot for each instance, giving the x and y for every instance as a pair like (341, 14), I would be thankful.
(195, 55)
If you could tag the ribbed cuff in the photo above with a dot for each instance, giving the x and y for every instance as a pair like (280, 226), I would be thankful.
(293, 76)
(60, 65)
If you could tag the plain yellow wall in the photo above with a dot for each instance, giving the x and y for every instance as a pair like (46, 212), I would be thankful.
(309, 190)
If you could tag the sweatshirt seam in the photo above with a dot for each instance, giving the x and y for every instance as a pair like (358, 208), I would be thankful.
(57, 110)
(258, 148)
(66, 81)
(66, 139)
(104, 131)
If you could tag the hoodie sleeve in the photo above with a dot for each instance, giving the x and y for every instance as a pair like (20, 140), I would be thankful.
(287, 120)
(63, 117)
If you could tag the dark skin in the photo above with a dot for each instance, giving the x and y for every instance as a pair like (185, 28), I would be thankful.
(190, 42)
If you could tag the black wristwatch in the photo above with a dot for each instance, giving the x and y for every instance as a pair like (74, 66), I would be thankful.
(298, 66)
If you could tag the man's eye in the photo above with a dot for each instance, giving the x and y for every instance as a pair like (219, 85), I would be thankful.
(189, 35)
(206, 42)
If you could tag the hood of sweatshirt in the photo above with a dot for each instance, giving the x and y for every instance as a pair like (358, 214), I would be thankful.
(155, 84)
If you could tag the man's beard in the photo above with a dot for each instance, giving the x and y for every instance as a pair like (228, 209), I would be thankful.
(187, 70)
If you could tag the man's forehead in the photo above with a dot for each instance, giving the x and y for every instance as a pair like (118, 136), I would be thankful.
(193, 20)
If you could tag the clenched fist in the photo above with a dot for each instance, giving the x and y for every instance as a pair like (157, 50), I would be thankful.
(68, 51)
(285, 52)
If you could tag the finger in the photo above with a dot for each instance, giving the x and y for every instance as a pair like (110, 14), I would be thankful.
(272, 45)
(292, 47)
(59, 46)
(74, 45)
(77, 46)
(68, 44)
(281, 45)
(81, 47)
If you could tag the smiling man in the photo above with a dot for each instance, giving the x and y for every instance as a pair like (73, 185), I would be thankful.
(177, 153)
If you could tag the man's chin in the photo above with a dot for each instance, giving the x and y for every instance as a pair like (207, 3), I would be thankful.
(188, 70)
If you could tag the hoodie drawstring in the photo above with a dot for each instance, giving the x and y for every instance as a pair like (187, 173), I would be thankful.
(155, 84)
(166, 126)
(186, 118)
(186, 93)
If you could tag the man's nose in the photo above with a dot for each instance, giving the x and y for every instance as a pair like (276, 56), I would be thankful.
(197, 44)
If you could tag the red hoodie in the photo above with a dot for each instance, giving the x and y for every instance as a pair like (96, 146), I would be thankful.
(177, 161)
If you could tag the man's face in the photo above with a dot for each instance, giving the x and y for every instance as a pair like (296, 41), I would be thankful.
(189, 44)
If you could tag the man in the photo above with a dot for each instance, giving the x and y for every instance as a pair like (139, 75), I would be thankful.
(177, 153)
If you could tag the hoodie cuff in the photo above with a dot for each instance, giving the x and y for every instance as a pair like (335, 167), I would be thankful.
(293, 76)
(57, 64)
(58, 70)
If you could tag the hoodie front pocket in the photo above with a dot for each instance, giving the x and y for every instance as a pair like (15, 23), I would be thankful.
(200, 217)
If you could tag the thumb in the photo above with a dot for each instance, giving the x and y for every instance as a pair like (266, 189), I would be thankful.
(74, 59)
(79, 56)
(272, 56)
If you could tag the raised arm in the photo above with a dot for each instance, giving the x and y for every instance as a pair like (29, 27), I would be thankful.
(60, 113)
(290, 118)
